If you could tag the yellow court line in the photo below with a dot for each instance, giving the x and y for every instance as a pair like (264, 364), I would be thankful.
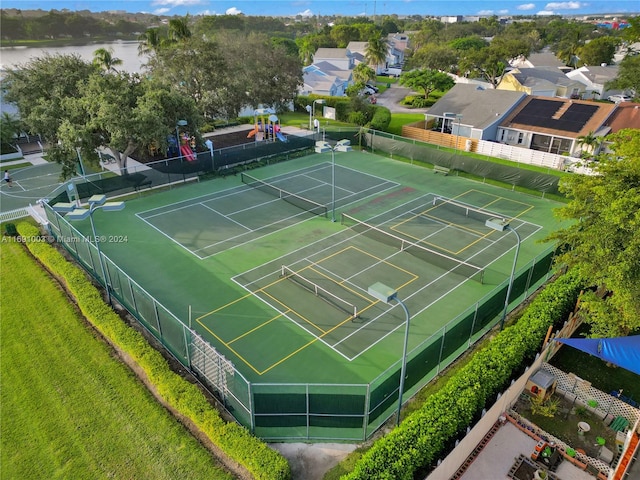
(382, 260)
(230, 348)
(258, 327)
(341, 283)
(289, 309)
(413, 277)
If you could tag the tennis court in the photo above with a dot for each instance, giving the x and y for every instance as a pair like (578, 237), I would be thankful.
(30, 184)
(256, 267)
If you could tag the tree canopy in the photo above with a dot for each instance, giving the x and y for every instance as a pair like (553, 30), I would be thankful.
(602, 241)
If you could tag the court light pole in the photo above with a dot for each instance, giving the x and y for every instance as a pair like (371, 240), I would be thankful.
(500, 225)
(76, 214)
(386, 294)
(180, 123)
(341, 146)
(318, 101)
(309, 109)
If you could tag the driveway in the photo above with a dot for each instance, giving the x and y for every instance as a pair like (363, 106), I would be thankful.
(392, 97)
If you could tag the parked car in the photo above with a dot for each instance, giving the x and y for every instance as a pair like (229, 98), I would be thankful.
(392, 72)
(372, 87)
(619, 98)
(367, 91)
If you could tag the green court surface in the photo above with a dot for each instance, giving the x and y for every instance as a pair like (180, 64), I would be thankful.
(30, 184)
(281, 291)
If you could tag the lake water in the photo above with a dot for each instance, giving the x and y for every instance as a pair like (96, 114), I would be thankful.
(11, 57)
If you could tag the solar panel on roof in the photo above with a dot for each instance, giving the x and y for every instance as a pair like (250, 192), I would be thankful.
(539, 113)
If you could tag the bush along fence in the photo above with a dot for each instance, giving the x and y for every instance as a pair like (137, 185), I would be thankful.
(187, 399)
(410, 449)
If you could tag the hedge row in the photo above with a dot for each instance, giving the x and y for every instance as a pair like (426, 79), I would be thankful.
(186, 398)
(423, 436)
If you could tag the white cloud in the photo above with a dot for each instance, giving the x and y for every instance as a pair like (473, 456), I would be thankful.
(485, 12)
(233, 11)
(306, 13)
(564, 5)
(178, 3)
(526, 6)
(161, 11)
(545, 12)
(503, 12)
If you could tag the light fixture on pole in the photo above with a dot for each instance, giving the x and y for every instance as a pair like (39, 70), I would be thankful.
(319, 101)
(180, 123)
(95, 202)
(500, 225)
(386, 294)
(341, 146)
(309, 109)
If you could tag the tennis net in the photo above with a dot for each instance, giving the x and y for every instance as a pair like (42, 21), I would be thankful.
(332, 299)
(463, 209)
(428, 255)
(292, 198)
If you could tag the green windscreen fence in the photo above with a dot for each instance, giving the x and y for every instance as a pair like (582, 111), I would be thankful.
(279, 411)
(419, 151)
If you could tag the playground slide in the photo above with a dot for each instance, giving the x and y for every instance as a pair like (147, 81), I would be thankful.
(252, 133)
(281, 137)
(187, 153)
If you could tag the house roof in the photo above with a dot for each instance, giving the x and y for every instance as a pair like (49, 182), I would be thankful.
(626, 115)
(542, 76)
(479, 106)
(546, 58)
(596, 75)
(338, 53)
(358, 47)
(569, 118)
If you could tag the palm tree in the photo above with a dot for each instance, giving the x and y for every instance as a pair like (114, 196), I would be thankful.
(362, 73)
(103, 58)
(150, 41)
(376, 51)
(591, 141)
(179, 29)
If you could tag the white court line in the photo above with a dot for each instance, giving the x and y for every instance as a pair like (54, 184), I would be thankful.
(225, 216)
(368, 324)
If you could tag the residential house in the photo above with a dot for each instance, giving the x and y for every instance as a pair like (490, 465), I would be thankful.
(472, 111)
(325, 79)
(554, 125)
(546, 58)
(398, 44)
(595, 79)
(543, 82)
(625, 115)
(340, 58)
(358, 51)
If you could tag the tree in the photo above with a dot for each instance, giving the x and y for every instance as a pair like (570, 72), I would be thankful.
(591, 141)
(427, 81)
(628, 75)
(363, 73)
(10, 128)
(598, 51)
(602, 242)
(491, 62)
(104, 59)
(376, 51)
(40, 90)
(149, 41)
(436, 57)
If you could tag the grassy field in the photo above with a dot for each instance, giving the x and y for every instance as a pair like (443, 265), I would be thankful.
(70, 409)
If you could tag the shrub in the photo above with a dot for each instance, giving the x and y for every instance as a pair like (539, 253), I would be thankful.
(381, 119)
(422, 437)
(234, 440)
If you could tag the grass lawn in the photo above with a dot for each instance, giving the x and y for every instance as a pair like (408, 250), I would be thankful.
(70, 408)
(400, 119)
(603, 377)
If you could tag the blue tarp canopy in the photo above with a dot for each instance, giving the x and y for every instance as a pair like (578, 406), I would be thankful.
(621, 351)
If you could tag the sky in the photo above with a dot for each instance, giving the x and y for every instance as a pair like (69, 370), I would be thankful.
(336, 7)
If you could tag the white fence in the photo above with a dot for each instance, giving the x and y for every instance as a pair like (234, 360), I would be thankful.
(522, 155)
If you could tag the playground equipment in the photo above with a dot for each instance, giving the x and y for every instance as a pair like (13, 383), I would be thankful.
(266, 127)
